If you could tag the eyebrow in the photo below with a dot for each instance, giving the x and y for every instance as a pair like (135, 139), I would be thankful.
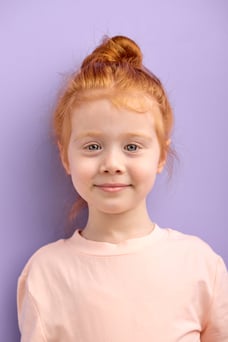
(89, 133)
(139, 135)
(136, 134)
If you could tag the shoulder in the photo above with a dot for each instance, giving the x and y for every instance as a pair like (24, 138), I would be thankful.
(188, 241)
(192, 250)
(47, 260)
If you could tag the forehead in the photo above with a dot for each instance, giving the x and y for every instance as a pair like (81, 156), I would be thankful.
(103, 114)
(95, 107)
(134, 100)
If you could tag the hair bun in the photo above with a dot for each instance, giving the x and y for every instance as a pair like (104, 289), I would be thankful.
(118, 49)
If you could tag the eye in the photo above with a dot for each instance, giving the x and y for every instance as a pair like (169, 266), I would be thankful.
(93, 147)
(131, 147)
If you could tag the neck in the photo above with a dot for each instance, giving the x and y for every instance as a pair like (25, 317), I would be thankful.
(115, 228)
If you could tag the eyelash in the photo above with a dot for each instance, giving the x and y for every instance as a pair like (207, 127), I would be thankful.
(136, 147)
(97, 147)
(90, 147)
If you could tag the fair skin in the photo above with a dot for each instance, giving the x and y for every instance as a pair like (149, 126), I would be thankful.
(113, 160)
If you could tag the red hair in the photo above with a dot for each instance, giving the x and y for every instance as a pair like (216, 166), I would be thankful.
(114, 70)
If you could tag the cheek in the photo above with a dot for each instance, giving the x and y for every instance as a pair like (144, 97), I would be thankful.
(146, 168)
(80, 179)
(82, 170)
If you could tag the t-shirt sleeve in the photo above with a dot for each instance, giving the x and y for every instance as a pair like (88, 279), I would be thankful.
(216, 328)
(28, 316)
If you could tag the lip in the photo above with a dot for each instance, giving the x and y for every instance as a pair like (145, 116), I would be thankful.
(112, 187)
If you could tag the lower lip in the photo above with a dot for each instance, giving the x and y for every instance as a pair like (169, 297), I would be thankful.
(112, 188)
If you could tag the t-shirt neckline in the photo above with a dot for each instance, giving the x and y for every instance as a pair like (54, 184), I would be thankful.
(128, 246)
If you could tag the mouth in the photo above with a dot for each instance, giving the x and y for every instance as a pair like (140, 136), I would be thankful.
(112, 187)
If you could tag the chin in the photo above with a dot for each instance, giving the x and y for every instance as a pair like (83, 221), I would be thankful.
(115, 210)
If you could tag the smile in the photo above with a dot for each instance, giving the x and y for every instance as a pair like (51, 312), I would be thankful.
(112, 187)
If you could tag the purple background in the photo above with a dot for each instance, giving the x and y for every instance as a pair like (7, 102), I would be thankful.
(184, 42)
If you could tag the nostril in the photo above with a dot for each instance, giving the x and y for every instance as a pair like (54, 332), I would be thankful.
(112, 171)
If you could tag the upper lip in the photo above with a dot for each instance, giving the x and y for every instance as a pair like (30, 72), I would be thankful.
(112, 185)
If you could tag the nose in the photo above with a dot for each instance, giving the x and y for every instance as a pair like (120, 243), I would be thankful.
(112, 163)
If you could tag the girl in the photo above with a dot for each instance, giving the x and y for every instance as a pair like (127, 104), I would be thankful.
(122, 278)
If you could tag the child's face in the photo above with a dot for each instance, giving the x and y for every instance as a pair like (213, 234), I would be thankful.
(114, 156)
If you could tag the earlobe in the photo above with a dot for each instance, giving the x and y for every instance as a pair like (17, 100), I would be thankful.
(63, 158)
(67, 169)
(161, 166)
(163, 161)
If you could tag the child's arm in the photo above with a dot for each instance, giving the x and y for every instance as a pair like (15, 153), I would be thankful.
(28, 315)
(216, 328)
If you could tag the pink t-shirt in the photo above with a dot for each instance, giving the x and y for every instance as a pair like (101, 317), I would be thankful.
(162, 287)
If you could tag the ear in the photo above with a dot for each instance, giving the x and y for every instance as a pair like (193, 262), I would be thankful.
(63, 158)
(161, 166)
(163, 160)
